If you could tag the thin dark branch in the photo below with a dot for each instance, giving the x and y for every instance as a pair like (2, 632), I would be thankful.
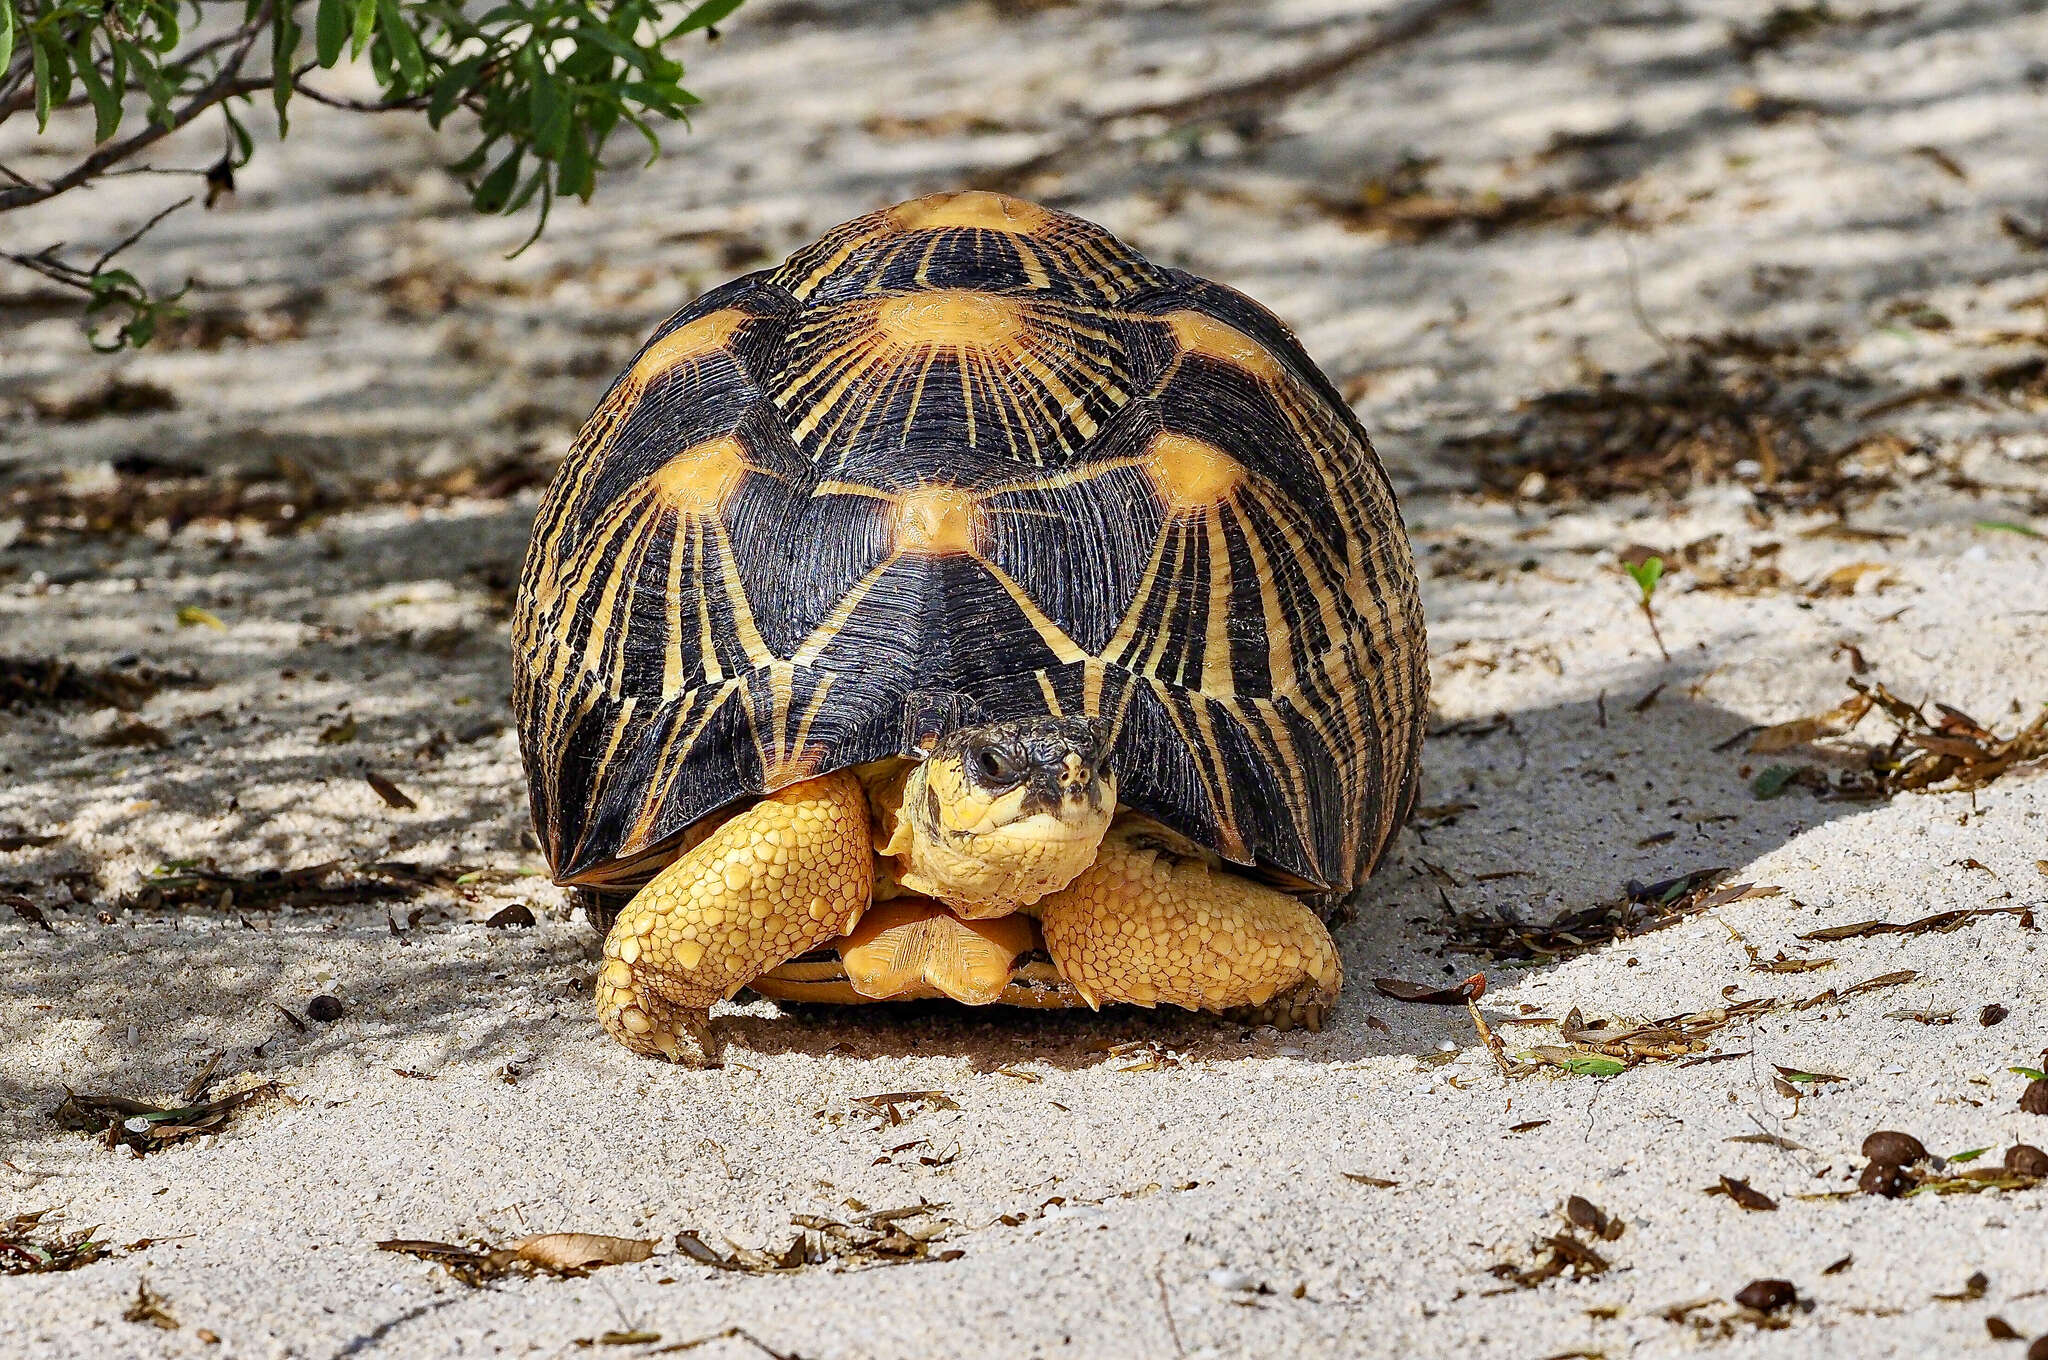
(132, 237)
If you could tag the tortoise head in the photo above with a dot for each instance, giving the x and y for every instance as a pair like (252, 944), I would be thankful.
(1003, 813)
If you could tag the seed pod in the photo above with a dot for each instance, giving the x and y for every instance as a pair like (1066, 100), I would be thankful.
(1766, 1296)
(2026, 1160)
(325, 1009)
(2034, 1100)
(1899, 1149)
(2039, 1350)
(1883, 1178)
(1992, 1014)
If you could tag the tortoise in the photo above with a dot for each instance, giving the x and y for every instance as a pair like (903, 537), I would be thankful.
(968, 607)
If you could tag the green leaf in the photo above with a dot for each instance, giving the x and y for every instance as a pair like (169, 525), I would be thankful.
(496, 188)
(548, 112)
(1645, 574)
(1773, 780)
(330, 32)
(39, 60)
(405, 45)
(6, 33)
(1972, 1155)
(2030, 1073)
(704, 16)
(575, 171)
(453, 84)
(192, 616)
(285, 33)
(366, 19)
(637, 57)
(106, 99)
(2006, 526)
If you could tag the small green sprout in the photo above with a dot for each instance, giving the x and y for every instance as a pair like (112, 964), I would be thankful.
(1646, 572)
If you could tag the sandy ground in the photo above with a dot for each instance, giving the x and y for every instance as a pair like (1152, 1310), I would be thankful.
(1829, 230)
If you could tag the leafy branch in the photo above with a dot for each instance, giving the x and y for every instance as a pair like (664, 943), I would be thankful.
(544, 83)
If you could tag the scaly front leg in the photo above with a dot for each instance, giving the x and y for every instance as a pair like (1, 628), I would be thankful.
(1147, 925)
(789, 873)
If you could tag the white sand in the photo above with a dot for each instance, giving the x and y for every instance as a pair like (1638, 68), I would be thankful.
(1140, 1200)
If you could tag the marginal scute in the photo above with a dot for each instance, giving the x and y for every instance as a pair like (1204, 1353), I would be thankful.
(697, 481)
(974, 209)
(1191, 475)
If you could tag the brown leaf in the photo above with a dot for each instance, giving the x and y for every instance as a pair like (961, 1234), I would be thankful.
(1744, 1195)
(2001, 1330)
(1471, 989)
(517, 915)
(1804, 731)
(134, 732)
(1846, 580)
(581, 1251)
(28, 911)
(392, 795)
(1364, 1179)
(1941, 923)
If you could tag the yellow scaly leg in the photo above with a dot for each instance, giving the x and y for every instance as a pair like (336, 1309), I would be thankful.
(789, 873)
(1148, 926)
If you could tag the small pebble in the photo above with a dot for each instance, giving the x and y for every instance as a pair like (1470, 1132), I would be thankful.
(1899, 1149)
(2026, 1160)
(1229, 1277)
(136, 1125)
(1766, 1296)
(1446, 1046)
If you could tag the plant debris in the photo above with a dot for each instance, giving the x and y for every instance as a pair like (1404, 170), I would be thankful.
(29, 1247)
(147, 1127)
(1712, 409)
(280, 497)
(1641, 909)
(568, 1255)
(1744, 1195)
(1952, 753)
(148, 1309)
(1457, 994)
(27, 682)
(1564, 1254)
(1941, 923)
(873, 1237)
(202, 883)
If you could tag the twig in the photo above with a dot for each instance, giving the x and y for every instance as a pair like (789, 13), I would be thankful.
(1172, 1327)
(132, 237)
(1492, 1041)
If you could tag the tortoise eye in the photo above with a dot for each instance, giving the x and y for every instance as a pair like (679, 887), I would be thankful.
(995, 767)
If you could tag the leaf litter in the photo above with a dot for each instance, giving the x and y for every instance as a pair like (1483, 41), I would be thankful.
(1641, 909)
(148, 1127)
(29, 1246)
(565, 1255)
(1950, 753)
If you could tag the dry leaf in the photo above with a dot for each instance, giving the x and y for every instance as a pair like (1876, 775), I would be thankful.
(581, 1251)
(392, 795)
(1471, 989)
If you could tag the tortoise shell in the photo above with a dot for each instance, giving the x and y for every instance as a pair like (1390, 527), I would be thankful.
(966, 459)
